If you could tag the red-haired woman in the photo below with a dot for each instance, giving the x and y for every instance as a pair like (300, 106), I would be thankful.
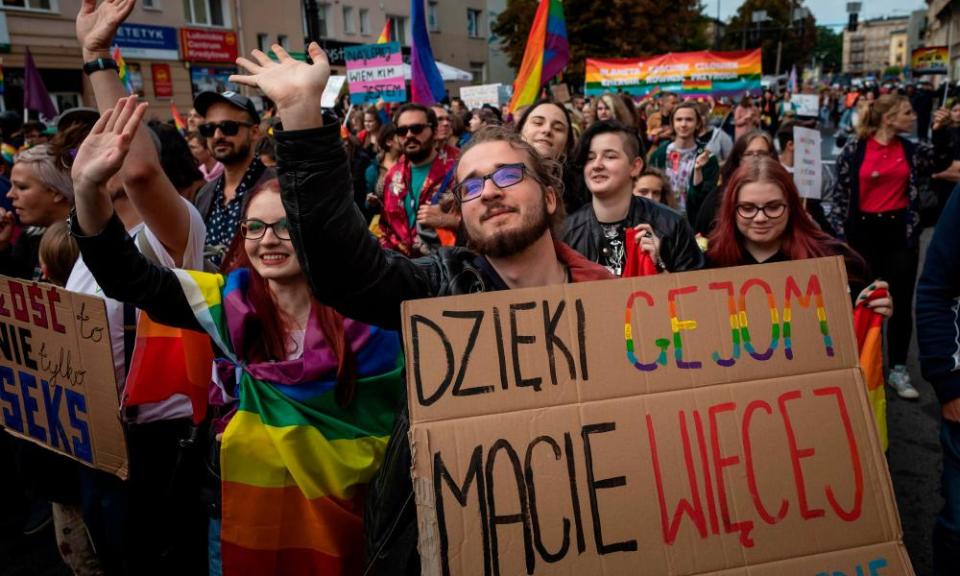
(306, 397)
(761, 219)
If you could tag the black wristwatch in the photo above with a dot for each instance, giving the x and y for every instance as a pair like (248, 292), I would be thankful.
(100, 64)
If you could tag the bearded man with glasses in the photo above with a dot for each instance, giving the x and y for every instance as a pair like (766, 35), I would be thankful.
(231, 127)
(510, 201)
(414, 186)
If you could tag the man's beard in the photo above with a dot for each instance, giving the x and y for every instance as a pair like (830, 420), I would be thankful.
(507, 243)
(238, 154)
(420, 155)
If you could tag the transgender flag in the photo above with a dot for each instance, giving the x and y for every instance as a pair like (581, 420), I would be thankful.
(546, 54)
(426, 82)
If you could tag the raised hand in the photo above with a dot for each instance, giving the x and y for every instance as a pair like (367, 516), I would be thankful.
(97, 25)
(102, 153)
(296, 87)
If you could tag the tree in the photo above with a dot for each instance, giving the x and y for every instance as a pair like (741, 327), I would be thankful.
(829, 50)
(797, 37)
(608, 29)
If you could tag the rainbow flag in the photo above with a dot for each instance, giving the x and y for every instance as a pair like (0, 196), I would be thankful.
(868, 326)
(697, 85)
(546, 54)
(294, 462)
(124, 75)
(385, 35)
(178, 119)
(2, 89)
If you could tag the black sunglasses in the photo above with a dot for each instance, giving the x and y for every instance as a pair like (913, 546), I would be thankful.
(415, 129)
(227, 127)
(504, 177)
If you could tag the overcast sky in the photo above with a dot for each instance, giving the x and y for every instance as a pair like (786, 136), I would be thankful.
(829, 12)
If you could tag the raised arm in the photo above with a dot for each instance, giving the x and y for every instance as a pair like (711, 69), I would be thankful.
(120, 269)
(344, 263)
(151, 192)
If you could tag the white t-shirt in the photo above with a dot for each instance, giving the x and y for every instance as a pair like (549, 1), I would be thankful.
(83, 282)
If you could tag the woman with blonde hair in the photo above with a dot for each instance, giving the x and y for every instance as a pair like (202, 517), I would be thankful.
(876, 207)
(610, 107)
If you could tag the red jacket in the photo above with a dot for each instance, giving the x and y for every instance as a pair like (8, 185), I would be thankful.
(397, 233)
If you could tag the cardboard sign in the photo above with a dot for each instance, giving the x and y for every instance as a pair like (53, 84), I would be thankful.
(682, 424)
(684, 73)
(560, 92)
(208, 45)
(331, 91)
(58, 387)
(808, 162)
(162, 80)
(930, 60)
(475, 97)
(806, 104)
(375, 72)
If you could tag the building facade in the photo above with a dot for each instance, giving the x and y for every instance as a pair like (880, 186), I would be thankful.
(868, 50)
(943, 29)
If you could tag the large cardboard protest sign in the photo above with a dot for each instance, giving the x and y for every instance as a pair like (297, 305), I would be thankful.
(808, 162)
(58, 387)
(704, 422)
(688, 74)
(375, 72)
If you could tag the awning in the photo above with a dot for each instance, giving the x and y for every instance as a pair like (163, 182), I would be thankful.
(447, 72)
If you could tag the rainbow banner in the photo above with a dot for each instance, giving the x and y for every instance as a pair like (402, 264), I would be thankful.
(294, 460)
(930, 60)
(688, 74)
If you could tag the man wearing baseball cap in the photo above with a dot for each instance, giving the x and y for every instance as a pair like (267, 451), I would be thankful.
(231, 126)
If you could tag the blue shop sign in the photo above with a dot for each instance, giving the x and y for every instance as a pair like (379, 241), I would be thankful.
(148, 42)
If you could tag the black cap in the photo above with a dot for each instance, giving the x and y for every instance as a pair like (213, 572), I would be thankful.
(88, 116)
(205, 100)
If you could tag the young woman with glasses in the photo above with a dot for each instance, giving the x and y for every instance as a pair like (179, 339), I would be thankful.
(761, 220)
(303, 399)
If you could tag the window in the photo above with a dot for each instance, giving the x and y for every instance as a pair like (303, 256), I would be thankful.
(263, 43)
(398, 29)
(364, 22)
(283, 41)
(433, 21)
(478, 69)
(349, 26)
(151, 4)
(473, 22)
(205, 13)
(323, 15)
(38, 5)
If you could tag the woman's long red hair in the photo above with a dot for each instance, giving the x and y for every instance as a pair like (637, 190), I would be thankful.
(274, 326)
(801, 238)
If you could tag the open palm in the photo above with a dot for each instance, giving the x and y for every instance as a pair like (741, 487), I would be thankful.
(102, 153)
(97, 25)
(287, 82)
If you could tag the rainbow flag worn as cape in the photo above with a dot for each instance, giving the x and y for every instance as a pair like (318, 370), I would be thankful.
(294, 463)
(546, 54)
(868, 326)
(124, 75)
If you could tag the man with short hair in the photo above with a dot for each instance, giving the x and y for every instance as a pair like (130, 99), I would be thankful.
(609, 153)
(511, 207)
(413, 186)
(231, 126)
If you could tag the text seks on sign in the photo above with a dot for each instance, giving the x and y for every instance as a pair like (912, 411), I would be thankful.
(58, 387)
(679, 424)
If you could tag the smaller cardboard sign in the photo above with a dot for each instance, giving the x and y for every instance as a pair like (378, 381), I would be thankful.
(485, 94)
(807, 162)
(806, 104)
(375, 72)
(58, 386)
(560, 92)
(162, 80)
(930, 60)
(208, 45)
(212, 79)
(330, 93)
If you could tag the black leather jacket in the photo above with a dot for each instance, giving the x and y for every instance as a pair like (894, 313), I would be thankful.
(349, 270)
(678, 247)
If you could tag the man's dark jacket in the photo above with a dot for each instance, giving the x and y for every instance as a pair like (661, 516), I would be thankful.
(678, 247)
(348, 270)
